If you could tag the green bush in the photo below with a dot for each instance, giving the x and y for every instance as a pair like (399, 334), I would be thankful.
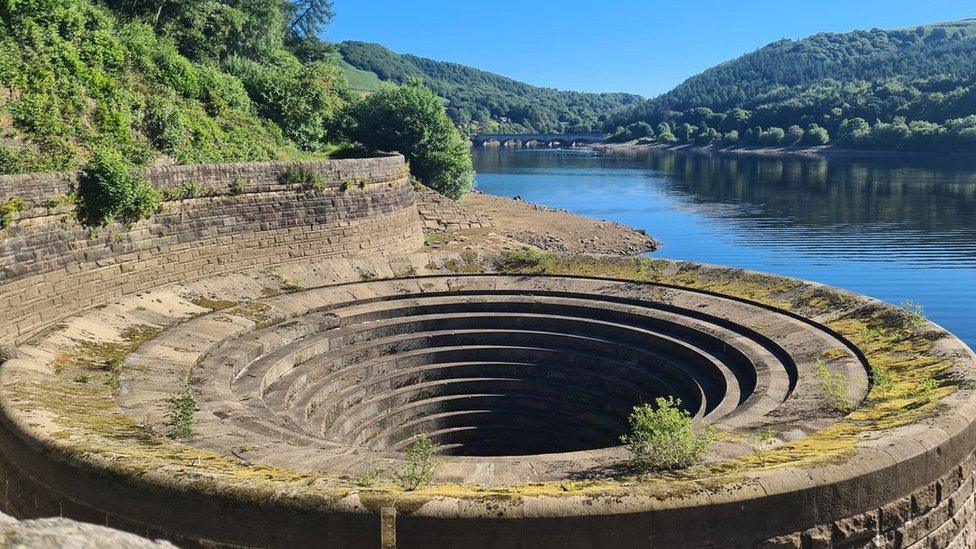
(236, 187)
(834, 386)
(665, 437)
(419, 466)
(108, 191)
(186, 190)
(9, 209)
(304, 178)
(179, 417)
(411, 120)
(528, 260)
(914, 316)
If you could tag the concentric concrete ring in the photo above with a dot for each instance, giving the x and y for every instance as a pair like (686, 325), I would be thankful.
(310, 381)
(501, 366)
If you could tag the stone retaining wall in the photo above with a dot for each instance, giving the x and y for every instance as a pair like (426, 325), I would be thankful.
(50, 266)
(440, 213)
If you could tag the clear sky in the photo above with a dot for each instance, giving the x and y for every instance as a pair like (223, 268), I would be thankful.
(644, 47)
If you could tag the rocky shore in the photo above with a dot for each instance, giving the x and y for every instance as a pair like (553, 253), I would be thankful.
(496, 223)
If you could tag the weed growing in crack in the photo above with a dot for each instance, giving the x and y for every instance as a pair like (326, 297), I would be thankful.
(180, 414)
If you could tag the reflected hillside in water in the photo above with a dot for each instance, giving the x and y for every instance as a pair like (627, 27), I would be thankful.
(861, 207)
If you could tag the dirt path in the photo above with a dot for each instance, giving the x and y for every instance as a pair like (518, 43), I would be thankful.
(515, 224)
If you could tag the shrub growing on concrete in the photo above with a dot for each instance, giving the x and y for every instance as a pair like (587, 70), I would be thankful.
(109, 191)
(180, 414)
(664, 437)
(834, 386)
(419, 466)
(914, 316)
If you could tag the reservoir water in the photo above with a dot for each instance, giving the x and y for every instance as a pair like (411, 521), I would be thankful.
(897, 229)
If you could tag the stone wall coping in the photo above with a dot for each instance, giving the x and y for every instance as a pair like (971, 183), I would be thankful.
(36, 187)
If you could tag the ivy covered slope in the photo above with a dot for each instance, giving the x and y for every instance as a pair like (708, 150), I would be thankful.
(896, 89)
(161, 80)
(480, 101)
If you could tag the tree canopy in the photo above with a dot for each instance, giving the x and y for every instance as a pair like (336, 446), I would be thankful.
(411, 120)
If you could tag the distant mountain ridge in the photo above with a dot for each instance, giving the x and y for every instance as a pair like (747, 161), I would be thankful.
(885, 78)
(480, 101)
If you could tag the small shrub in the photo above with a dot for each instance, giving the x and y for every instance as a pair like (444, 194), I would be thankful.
(914, 316)
(303, 178)
(345, 186)
(9, 210)
(528, 260)
(883, 381)
(420, 465)
(68, 199)
(362, 184)
(186, 190)
(109, 191)
(180, 414)
(236, 187)
(834, 386)
(665, 437)
(7, 353)
(926, 389)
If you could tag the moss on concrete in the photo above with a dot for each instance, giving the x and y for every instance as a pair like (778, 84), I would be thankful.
(213, 304)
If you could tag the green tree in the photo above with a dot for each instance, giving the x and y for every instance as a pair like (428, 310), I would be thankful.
(666, 137)
(306, 101)
(708, 136)
(411, 120)
(772, 137)
(853, 131)
(640, 129)
(794, 134)
(685, 132)
(307, 18)
(816, 136)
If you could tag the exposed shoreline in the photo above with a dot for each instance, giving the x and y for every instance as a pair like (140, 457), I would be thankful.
(489, 222)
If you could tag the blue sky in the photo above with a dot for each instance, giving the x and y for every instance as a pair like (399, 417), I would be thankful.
(644, 47)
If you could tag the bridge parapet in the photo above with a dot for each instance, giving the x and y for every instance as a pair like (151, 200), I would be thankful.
(569, 139)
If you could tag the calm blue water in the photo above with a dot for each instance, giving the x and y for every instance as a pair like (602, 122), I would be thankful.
(895, 229)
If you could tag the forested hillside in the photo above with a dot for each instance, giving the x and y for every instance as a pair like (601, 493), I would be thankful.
(895, 89)
(109, 85)
(485, 102)
(190, 81)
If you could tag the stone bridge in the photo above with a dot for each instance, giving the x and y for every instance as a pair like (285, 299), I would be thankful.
(547, 139)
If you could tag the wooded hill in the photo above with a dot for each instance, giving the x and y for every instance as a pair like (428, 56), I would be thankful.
(480, 101)
(886, 89)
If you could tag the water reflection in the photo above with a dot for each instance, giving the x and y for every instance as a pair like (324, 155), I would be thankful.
(896, 228)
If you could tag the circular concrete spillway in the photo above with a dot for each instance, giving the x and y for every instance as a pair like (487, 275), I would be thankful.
(492, 366)
(310, 381)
